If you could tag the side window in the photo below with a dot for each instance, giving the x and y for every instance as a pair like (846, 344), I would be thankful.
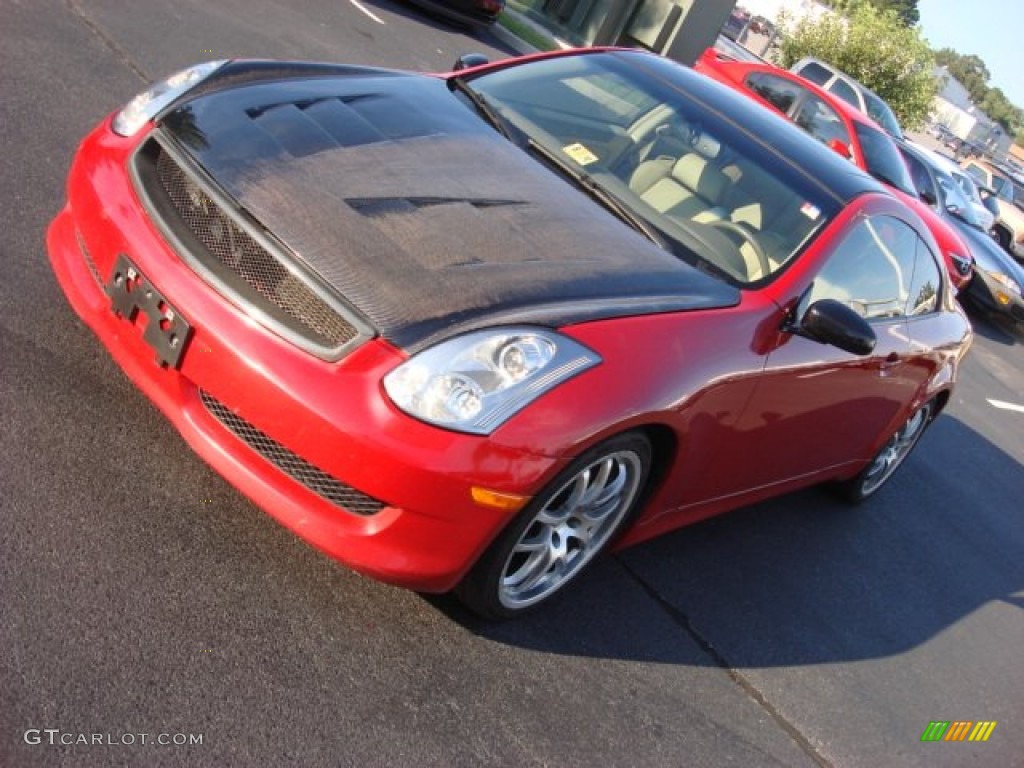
(846, 92)
(780, 93)
(977, 174)
(1002, 188)
(922, 179)
(872, 269)
(821, 121)
(926, 284)
(815, 73)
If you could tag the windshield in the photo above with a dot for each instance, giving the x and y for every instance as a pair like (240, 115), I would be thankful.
(882, 160)
(699, 181)
(966, 184)
(956, 201)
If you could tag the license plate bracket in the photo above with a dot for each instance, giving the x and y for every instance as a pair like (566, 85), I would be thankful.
(130, 292)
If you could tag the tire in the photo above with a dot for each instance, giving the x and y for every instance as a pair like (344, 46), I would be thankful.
(560, 531)
(1003, 237)
(885, 463)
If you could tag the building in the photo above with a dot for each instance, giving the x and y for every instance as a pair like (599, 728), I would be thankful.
(955, 111)
(678, 29)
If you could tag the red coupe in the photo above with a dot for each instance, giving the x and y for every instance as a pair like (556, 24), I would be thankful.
(466, 331)
(848, 131)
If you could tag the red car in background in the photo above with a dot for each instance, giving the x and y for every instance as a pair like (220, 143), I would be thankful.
(850, 132)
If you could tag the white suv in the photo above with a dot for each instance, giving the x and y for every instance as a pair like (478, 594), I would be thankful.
(840, 84)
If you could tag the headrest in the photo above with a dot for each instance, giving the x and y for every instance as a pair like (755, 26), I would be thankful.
(698, 175)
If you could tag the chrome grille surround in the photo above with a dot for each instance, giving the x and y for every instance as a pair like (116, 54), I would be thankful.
(293, 465)
(238, 258)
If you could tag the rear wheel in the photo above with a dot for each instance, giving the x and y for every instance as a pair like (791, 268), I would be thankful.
(1004, 239)
(560, 531)
(890, 457)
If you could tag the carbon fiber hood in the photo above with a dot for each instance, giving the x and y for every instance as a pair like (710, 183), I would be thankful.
(420, 215)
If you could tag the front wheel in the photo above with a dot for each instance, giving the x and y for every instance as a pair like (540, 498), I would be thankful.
(560, 531)
(890, 457)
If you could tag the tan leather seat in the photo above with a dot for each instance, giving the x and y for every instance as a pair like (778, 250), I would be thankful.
(757, 200)
(687, 188)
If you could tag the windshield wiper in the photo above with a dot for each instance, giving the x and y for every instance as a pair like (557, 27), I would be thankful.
(584, 181)
(485, 110)
(598, 192)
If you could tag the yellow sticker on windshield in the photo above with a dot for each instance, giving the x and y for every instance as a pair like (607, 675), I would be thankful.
(580, 154)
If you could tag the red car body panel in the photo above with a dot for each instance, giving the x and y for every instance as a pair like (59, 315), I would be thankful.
(237, 361)
(733, 73)
(732, 402)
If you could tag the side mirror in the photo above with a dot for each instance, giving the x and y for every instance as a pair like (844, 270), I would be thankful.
(831, 322)
(837, 145)
(468, 60)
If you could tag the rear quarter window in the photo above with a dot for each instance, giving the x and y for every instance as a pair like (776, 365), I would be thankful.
(846, 92)
(815, 73)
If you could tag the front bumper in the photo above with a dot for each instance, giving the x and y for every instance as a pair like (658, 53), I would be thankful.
(330, 416)
(991, 295)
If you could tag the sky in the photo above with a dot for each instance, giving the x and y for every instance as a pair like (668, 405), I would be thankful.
(991, 29)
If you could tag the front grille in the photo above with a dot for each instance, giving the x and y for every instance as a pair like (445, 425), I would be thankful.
(292, 465)
(963, 265)
(88, 260)
(224, 245)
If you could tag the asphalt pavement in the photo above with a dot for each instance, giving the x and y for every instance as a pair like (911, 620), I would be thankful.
(140, 594)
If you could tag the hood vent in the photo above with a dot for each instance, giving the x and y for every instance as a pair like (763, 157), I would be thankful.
(384, 206)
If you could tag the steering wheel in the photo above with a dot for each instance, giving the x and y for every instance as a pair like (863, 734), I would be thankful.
(746, 235)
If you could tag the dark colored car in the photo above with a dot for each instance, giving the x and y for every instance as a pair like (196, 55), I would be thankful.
(997, 279)
(474, 13)
(467, 331)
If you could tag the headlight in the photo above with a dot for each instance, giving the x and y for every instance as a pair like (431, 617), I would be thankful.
(474, 383)
(148, 104)
(1006, 280)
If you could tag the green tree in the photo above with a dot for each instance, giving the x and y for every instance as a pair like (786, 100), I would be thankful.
(873, 46)
(905, 9)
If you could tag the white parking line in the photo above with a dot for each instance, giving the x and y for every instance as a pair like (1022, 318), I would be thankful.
(1005, 406)
(367, 11)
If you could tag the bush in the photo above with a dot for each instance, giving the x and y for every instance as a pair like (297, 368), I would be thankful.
(872, 46)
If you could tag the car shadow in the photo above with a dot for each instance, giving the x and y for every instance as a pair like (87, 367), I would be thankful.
(803, 579)
(995, 327)
(409, 10)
